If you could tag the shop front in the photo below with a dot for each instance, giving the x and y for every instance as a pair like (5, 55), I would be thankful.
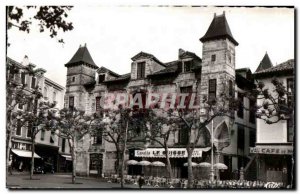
(21, 159)
(274, 163)
(178, 157)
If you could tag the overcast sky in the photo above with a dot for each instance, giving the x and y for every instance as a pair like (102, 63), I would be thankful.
(115, 34)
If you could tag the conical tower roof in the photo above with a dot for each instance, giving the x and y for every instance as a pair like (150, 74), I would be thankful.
(219, 28)
(265, 63)
(82, 55)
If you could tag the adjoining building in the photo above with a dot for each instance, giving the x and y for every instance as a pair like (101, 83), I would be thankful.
(274, 147)
(87, 84)
(47, 144)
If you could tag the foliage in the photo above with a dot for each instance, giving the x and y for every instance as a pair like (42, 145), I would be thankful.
(51, 19)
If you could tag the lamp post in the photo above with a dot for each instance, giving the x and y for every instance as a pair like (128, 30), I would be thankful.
(212, 174)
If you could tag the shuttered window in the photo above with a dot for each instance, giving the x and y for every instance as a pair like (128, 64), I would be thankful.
(140, 70)
(212, 89)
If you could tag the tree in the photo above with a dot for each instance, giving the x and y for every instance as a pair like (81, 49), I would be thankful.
(120, 129)
(276, 103)
(73, 125)
(51, 19)
(17, 94)
(37, 119)
(196, 123)
(158, 129)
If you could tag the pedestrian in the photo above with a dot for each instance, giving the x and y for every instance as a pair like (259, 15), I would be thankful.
(141, 181)
(21, 166)
(9, 166)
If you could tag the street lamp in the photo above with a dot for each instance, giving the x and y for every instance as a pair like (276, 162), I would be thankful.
(212, 174)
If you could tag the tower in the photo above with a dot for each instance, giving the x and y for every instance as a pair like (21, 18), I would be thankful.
(218, 69)
(81, 70)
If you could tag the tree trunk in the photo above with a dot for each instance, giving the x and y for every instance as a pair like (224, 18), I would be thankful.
(190, 168)
(8, 146)
(169, 168)
(118, 171)
(32, 157)
(73, 154)
(123, 156)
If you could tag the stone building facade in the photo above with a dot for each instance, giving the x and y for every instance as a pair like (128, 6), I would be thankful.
(87, 83)
(47, 144)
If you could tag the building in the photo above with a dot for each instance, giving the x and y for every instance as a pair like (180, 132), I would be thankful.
(47, 144)
(274, 147)
(87, 84)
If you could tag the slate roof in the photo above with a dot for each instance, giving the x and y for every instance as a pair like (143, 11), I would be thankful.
(104, 70)
(218, 28)
(123, 77)
(82, 55)
(265, 63)
(146, 55)
(287, 66)
(171, 67)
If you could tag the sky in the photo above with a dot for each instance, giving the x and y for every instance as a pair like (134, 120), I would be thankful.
(114, 34)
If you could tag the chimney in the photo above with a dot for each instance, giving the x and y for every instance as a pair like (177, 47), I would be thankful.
(215, 15)
(25, 61)
(223, 13)
(80, 46)
(84, 44)
(180, 52)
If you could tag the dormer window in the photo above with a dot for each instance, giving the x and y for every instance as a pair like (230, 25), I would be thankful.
(101, 78)
(141, 70)
(213, 58)
(187, 66)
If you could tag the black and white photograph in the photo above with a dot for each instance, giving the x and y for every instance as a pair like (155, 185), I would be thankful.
(150, 97)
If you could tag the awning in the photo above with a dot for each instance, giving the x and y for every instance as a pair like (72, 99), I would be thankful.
(173, 152)
(272, 149)
(24, 153)
(68, 157)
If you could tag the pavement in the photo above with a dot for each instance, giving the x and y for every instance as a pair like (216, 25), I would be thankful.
(61, 181)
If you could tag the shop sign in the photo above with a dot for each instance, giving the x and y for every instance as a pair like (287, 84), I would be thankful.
(269, 150)
(173, 153)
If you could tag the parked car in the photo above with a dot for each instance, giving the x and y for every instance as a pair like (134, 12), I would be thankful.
(43, 169)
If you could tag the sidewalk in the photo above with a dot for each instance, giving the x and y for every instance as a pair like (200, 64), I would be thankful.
(61, 181)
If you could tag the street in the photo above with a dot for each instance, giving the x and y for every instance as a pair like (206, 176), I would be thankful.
(60, 181)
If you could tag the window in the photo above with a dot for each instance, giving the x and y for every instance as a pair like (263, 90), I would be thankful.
(45, 92)
(28, 147)
(52, 139)
(213, 58)
(98, 100)
(54, 96)
(63, 145)
(42, 135)
(101, 78)
(187, 90)
(212, 89)
(73, 79)
(23, 78)
(240, 112)
(141, 70)
(29, 131)
(33, 82)
(252, 111)
(19, 129)
(252, 138)
(97, 138)
(183, 135)
(229, 58)
(241, 137)
(290, 103)
(231, 90)
(71, 102)
(187, 66)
